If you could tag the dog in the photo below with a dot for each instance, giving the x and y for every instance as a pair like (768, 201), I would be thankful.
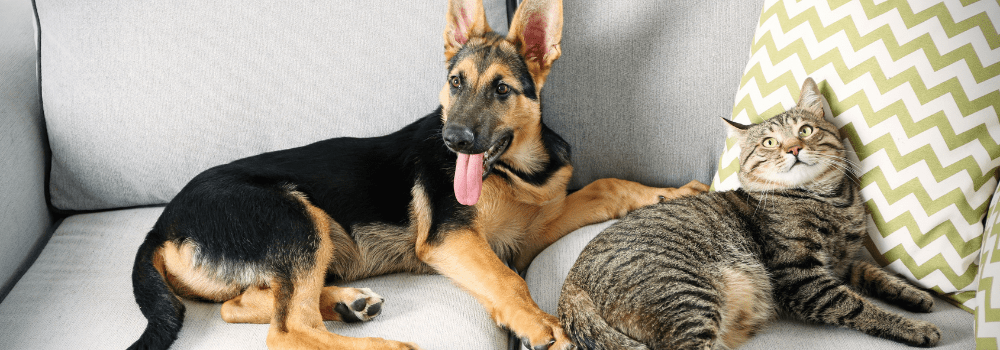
(479, 182)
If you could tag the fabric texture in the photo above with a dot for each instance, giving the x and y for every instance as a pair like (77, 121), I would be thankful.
(80, 289)
(24, 215)
(988, 296)
(913, 87)
(640, 84)
(548, 271)
(140, 97)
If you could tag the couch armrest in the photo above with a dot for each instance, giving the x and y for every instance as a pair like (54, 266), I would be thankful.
(988, 294)
(25, 218)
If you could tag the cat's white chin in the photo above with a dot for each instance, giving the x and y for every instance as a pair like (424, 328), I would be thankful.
(798, 174)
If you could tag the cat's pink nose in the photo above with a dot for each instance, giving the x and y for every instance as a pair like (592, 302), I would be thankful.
(794, 150)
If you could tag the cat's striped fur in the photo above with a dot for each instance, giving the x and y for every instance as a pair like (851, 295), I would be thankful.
(709, 271)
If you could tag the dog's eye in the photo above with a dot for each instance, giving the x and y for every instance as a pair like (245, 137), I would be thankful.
(455, 82)
(503, 89)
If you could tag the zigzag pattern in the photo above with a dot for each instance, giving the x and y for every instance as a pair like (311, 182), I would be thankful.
(915, 88)
(988, 298)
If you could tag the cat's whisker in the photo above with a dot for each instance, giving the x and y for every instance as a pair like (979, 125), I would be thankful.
(848, 171)
(842, 162)
(850, 162)
(766, 194)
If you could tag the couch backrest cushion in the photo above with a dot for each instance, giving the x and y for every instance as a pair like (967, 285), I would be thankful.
(139, 97)
(641, 85)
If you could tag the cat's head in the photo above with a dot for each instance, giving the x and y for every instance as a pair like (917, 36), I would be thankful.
(796, 149)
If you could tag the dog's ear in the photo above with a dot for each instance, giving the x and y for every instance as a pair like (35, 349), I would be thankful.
(465, 19)
(537, 30)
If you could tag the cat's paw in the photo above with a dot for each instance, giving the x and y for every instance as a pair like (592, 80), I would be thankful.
(691, 188)
(920, 333)
(914, 299)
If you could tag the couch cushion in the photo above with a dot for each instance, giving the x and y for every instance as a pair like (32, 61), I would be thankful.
(914, 89)
(548, 271)
(988, 294)
(140, 97)
(640, 85)
(78, 294)
(24, 214)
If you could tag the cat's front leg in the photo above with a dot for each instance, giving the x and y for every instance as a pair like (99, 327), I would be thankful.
(815, 295)
(874, 281)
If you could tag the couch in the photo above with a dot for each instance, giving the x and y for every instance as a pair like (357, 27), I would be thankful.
(107, 107)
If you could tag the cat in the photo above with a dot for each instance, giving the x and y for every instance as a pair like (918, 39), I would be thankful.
(709, 271)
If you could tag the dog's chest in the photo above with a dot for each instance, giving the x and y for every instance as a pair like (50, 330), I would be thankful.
(506, 217)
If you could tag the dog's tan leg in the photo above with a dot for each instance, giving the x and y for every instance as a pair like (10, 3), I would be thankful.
(256, 305)
(296, 320)
(607, 199)
(466, 258)
(298, 324)
(600, 201)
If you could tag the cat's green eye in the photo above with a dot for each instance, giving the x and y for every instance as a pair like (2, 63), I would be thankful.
(805, 131)
(770, 142)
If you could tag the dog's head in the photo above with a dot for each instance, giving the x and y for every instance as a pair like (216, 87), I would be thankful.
(490, 100)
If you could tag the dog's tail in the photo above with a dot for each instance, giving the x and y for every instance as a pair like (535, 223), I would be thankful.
(586, 327)
(163, 309)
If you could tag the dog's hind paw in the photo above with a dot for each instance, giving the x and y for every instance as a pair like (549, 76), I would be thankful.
(351, 304)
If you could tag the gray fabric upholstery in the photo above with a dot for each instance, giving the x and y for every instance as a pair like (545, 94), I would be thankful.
(641, 85)
(548, 271)
(140, 97)
(24, 216)
(78, 295)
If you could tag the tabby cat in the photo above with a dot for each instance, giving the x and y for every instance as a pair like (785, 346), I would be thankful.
(709, 271)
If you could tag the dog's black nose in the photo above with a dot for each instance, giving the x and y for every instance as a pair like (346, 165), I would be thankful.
(459, 138)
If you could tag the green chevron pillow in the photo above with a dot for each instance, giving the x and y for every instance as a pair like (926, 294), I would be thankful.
(913, 88)
(988, 299)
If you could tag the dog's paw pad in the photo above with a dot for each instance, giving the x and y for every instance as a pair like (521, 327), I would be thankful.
(365, 307)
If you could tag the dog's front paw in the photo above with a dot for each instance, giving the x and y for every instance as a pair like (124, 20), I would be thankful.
(541, 331)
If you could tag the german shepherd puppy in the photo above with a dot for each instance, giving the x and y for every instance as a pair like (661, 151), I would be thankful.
(478, 182)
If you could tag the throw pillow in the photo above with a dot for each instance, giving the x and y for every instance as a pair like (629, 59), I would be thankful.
(913, 86)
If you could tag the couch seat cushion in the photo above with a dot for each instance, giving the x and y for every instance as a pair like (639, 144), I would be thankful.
(547, 273)
(78, 295)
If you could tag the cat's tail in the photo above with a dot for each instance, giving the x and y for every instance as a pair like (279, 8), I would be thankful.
(586, 327)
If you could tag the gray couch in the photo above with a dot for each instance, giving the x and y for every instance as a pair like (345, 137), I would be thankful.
(108, 107)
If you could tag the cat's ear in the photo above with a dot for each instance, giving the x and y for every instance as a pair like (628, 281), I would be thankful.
(810, 99)
(735, 129)
(465, 19)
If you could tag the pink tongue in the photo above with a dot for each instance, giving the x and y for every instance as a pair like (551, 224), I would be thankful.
(468, 178)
